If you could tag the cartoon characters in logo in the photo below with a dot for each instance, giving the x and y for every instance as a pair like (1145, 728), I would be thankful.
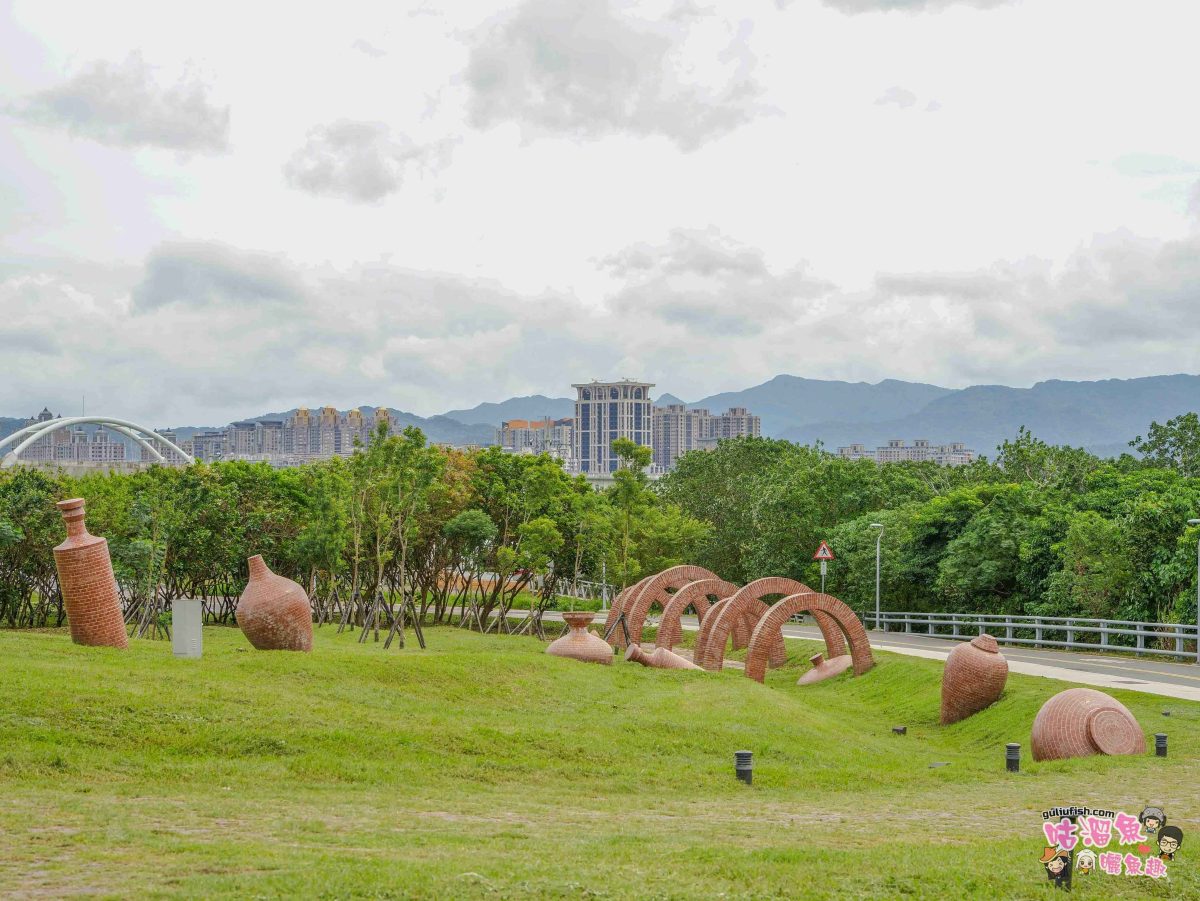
(1085, 861)
(1152, 819)
(1057, 863)
(1170, 838)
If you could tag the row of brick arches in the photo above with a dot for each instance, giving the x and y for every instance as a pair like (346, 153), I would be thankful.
(728, 612)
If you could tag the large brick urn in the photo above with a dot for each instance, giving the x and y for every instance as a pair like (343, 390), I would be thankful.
(972, 679)
(823, 669)
(274, 612)
(89, 589)
(1080, 722)
(580, 643)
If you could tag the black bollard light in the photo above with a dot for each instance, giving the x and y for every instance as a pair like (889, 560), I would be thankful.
(1160, 744)
(1012, 757)
(900, 730)
(743, 765)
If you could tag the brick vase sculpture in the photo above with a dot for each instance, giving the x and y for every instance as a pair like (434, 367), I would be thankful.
(659, 658)
(1080, 722)
(89, 589)
(580, 643)
(825, 669)
(274, 612)
(973, 678)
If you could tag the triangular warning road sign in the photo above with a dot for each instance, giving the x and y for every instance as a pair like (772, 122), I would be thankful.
(823, 552)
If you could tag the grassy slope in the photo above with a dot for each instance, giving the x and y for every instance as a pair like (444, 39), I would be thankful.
(484, 768)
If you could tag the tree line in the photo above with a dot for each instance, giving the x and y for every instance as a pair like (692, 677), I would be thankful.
(1040, 529)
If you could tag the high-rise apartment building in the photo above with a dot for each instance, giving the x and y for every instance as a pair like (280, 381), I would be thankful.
(956, 453)
(604, 412)
(678, 430)
(539, 436)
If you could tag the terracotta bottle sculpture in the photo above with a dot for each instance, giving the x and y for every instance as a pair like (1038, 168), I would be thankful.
(1080, 722)
(972, 679)
(274, 612)
(89, 588)
(825, 669)
(659, 658)
(579, 643)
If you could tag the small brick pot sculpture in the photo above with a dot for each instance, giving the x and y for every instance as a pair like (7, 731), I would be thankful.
(972, 679)
(659, 658)
(89, 589)
(580, 643)
(274, 612)
(825, 669)
(1080, 722)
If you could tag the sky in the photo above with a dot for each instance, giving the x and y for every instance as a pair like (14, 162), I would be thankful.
(212, 211)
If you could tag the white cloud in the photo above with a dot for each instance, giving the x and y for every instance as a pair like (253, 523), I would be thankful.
(122, 104)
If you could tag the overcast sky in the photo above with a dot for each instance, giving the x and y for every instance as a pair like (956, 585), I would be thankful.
(210, 211)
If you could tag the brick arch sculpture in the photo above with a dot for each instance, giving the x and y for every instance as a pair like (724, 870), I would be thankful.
(695, 595)
(619, 602)
(826, 605)
(651, 591)
(715, 628)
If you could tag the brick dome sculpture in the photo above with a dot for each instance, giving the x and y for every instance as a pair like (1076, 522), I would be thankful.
(694, 595)
(89, 588)
(972, 679)
(274, 612)
(654, 590)
(823, 669)
(581, 643)
(1080, 722)
(834, 618)
(659, 658)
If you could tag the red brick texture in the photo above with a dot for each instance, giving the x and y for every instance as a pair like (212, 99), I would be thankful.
(89, 588)
(972, 679)
(694, 595)
(1080, 722)
(274, 612)
(618, 606)
(823, 607)
(656, 590)
(716, 627)
(581, 643)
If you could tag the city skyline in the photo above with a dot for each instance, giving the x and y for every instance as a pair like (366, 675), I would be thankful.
(482, 195)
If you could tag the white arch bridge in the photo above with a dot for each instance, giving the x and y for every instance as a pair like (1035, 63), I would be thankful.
(23, 438)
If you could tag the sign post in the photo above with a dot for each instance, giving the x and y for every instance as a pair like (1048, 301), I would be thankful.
(824, 555)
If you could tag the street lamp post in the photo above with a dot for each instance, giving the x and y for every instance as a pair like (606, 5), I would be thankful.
(1196, 522)
(878, 542)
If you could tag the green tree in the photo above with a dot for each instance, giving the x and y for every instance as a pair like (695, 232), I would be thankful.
(1173, 445)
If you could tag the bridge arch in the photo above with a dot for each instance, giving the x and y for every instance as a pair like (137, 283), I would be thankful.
(695, 595)
(771, 625)
(23, 438)
(715, 628)
(656, 590)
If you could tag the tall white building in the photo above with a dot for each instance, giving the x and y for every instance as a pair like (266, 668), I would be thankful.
(604, 412)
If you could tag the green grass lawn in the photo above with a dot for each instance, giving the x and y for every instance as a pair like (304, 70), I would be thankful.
(483, 768)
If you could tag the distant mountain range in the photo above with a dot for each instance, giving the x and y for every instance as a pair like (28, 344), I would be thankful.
(1102, 416)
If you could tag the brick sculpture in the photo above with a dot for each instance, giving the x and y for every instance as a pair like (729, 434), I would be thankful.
(825, 669)
(274, 612)
(694, 595)
(1080, 722)
(716, 627)
(660, 658)
(825, 609)
(972, 679)
(655, 590)
(89, 588)
(581, 643)
(618, 606)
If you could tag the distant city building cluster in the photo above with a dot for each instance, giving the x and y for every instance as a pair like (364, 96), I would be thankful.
(896, 451)
(298, 439)
(73, 445)
(606, 411)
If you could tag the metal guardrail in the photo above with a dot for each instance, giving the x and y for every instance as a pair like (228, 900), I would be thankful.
(1074, 633)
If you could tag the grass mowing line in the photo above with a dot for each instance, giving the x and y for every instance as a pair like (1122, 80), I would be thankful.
(484, 768)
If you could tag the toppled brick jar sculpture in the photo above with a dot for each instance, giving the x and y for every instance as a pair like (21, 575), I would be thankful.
(659, 658)
(972, 679)
(274, 612)
(825, 669)
(89, 589)
(579, 643)
(1080, 722)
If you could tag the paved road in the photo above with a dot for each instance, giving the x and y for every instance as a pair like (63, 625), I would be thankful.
(1152, 675)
